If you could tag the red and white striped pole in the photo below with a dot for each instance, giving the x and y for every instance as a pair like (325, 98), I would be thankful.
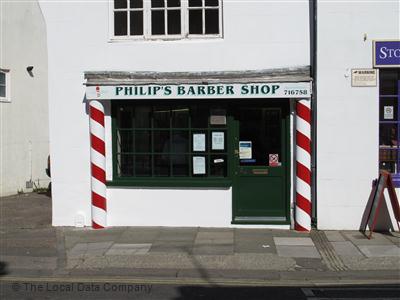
(303, 166)
(98, 165)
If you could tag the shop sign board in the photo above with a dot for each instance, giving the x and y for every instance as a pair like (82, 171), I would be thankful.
(386, 53)
(363, 77)
(213, 91)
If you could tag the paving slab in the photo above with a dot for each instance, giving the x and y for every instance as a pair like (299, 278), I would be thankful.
(380, 250)
(177, 234)
(372, 264)
(264, 244)
(172, 246)
(128, 249)
(297, 251)
(214, 238)
(334, 236)
(394, 237)
(95, 249)
(357, 238)
(293, 241)
(29, 262)
(346, 249)
(139, 235)
(213, 249)
(316, 264)
(29, 251)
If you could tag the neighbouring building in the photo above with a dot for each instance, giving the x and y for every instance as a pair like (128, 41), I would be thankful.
(24, 126)
(202, 112)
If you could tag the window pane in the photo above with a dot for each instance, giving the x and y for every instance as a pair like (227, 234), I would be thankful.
(180, 141)
(142, 141)
(2, 78)
(120, 23)
(143, 165)
(195, 21)
(388, 135)
(142, 116)
(261, 126)
(211, 21)
(388, 109)
(218, 165)
(2, 91)
(174, 22)
(136, 23)
(120, 3)
(125, 117)
(174, 3)
(211, 2)
(157, 22)
(161, 165)
(199, 116)
(195, 3)
(161, 117)
(180, 165)
(125, 165)
(161, 141)
(180, 117)
(388, 160)
(157, 3)
(388, 82)
(136, 3)
(125, 141)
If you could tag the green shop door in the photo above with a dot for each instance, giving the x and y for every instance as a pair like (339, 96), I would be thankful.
(261, 179)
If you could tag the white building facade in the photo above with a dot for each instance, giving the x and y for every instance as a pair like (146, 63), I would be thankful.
(351, 129)
(197, 113)
(24, 126)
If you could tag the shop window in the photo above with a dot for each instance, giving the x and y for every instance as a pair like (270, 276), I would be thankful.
(167, 19)
(4, 85)
(164, 141)
(389, 123)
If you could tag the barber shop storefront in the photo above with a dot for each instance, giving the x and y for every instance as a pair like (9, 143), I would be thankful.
(199, 149)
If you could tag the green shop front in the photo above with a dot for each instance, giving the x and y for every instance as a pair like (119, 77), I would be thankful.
(196, 132)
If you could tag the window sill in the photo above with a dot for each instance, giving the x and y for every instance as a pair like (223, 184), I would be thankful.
(172, 182)
(196, 38)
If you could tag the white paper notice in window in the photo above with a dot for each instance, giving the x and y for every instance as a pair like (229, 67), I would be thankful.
(199, 142)
(388, 112)
(217, 141)
(199, 165)
(245, 150)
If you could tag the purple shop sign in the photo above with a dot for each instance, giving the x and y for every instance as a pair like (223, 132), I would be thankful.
(387, 54)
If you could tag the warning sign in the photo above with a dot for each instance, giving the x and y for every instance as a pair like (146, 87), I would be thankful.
(274, 160)
(363, 77)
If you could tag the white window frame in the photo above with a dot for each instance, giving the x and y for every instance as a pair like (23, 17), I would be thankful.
(147, 36)
(7, 98)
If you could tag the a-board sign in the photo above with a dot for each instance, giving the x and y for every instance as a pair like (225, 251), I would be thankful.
(375, 202)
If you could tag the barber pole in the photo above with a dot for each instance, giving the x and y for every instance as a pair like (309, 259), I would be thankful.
(98, 165)
(303, 166)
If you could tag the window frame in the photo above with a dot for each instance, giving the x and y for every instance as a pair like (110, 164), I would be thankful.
(147, 36)
(7, 97)
(173, 181)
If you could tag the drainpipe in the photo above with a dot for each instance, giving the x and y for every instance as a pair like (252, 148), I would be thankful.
(313, 62)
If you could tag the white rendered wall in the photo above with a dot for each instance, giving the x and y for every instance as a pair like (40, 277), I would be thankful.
(348, 131)
(257, 35)
(24, 136)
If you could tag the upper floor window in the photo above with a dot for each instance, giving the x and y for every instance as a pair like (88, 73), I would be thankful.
(166, 19)
(4, 85)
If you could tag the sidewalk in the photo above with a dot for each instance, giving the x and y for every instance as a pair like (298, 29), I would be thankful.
(32, 248)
